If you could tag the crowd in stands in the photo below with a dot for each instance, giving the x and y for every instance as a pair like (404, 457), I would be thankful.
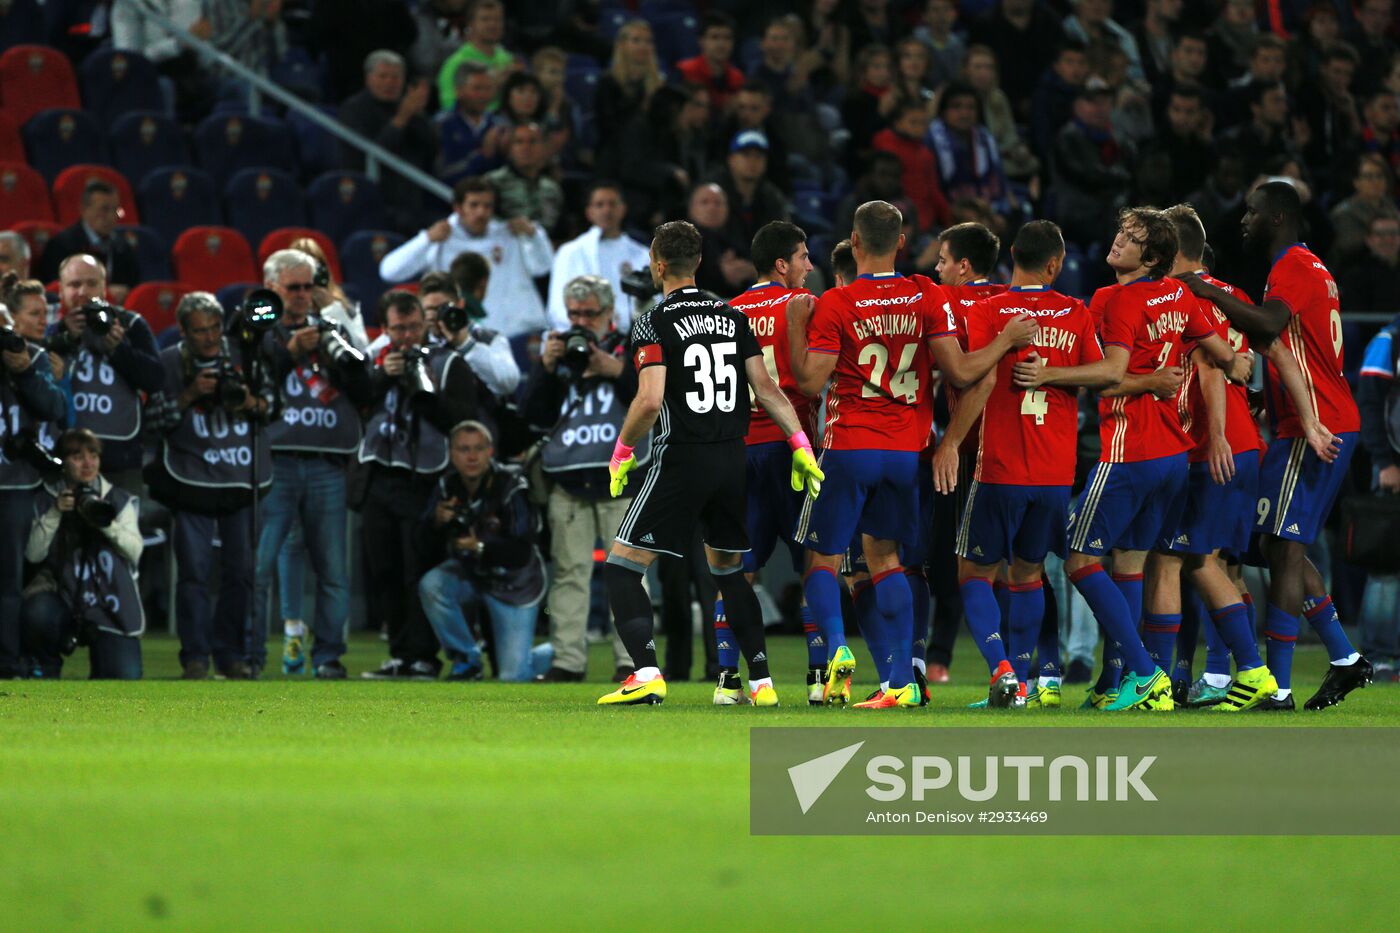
(567, 129)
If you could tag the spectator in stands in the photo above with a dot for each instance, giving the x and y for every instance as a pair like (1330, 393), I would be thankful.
(753, 199)
(205, 473)
(519, 251)
(1092, 23)
(881, 181)
(1372, 197)
(947, 50)
(1185, 141)
(1059, 87)
(523, 189)
(557, 113)
(486, 351)
(95, 234)
(321, 393)
(660, 153)
(1092, 168)
(781, 70)
(604, 250)
(1190, 56)
(1020, 33)
(1221, 195)
(1370, 35)
(1380, 128)
(870, 101)
(724, 266)
(108, 373)
(384, 112)
(580, 403)
(980, 71)
(1265, 137)
(713, 69)
(1132, 109)
(14, 254)
(441, 30)
(905, 138)
(330, 300)
(481, 520)
(249, 31)
(1153, 35)
(1232, 40)
(420, 392)
(1321, 30)
(753, 110)
(1267, 66)
(969, 164)
(1371, 282)
(523, 101)
(1330, 109)
(827, 56)
(348, 30)
(912, 65)
(627, 87)
(473, 140)
(486, 27)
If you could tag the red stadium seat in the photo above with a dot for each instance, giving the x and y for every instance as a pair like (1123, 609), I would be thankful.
(208, 258)
(156, 302)
(23, 195)
(11, 142)
(35, 78)
(37, 234)
(68, 192)
(283, 237)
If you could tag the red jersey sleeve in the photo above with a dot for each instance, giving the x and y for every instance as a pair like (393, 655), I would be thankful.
(1089, 349)
(1121, 322)
(1099, 304)
(1287, 286)
(1198, 325)
(981, 329)
(938, 310)
(824, 326)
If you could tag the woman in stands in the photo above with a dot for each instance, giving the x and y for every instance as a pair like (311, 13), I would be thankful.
(627, 86)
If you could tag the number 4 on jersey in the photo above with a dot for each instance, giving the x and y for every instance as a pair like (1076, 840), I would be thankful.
(1034, 402)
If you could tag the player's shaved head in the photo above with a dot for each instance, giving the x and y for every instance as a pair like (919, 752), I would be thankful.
(843, 261)
(773, 241)
(878, 224)
(1036, 244)
(1190, 232)
(1280, 199)
(975, 243)
(1156, 233)
(677, 244)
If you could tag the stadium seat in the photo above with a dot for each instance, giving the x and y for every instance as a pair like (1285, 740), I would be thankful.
(152, 251)
(260, 200)
(1073, 280)
(68, 192)
(168, 338)
(56, 139)
(581, 84)
(116, 82)
(23, 195)
(317, 150)
(21, 23)
(209, 258)
(675, 34)
(283, 238)
(344, 202)
(611, 21)
(35, 78)
(360, 254)
(11, 140)
(231, 296)
(299, 73)
(156, 302)
(226, 143)
(141, 142)
(174, 199)
(37, 234)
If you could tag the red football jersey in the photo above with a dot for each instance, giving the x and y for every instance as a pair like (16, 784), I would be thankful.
(1099, 302)
(1030, 438)
(879, 328)
(765, 305)
(1240, 430)
(1159, 322)
(960, 299)
(1314, 337)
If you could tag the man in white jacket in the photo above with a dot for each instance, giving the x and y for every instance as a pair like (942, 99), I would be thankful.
(603, 250)
(518, 251)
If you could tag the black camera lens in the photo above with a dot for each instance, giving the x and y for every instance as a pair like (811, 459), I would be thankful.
(10, 341)
(578, 347)
(92, 508)
(99, 317)
(453, 317)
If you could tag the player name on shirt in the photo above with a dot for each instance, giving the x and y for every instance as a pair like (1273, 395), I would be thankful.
(765, 306)
(694, 325)
(886, 325)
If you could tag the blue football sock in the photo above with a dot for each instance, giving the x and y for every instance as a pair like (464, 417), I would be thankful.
(983, 620)
(1047, 646)
(895, 605)
(816, 645)
(1159, 633)
(918, 586)
(726, 646)
(1248, 601)
(823, 592)
(1003, 597)
(1322, 616)
(1027, 604)
(1130, 585)
(1112, 673)
(1192, 616)
(1281, 630)
(1113, 611)
(1217, 647)
(1231, 625)
(871, 629)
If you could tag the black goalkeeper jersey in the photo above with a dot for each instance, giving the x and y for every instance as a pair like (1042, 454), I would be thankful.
(704, 344)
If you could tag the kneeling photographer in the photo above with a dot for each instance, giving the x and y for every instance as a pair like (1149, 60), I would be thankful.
(481, 517)
(217, 398)
(420, 392)
(29, 403)
(87, 542)
(582, 386)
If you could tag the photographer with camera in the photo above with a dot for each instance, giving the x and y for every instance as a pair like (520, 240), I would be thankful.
(323, 381)
(29, 404)
(329, 299)
(420, 392)
(582, 386)
(87, 542)
(481, 517)
(112, 358)
(29, 314)
(207, 469)
(454, 317)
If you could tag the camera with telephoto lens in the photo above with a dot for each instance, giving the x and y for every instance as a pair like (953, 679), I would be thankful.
(321, 278)
(25, 448)
(639, 285)
(229, 390)
(417, 376)
(334, 346)
(462, 523)
(259, 313)
(453, 318)
(578, 350)
(11, 341)
(99, 316)
(91, 507)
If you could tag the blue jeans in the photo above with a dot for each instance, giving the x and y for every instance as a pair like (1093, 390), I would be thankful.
(312, 489)
(444, 590)
(291, 574)
(16, 515)
(223, 632)
(47, 623)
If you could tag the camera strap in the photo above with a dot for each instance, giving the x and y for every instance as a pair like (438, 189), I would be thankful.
(316, 383)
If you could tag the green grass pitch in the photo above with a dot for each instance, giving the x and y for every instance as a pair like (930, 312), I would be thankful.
(284, 805)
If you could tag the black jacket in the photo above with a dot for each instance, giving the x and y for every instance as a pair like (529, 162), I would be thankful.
(118, 257)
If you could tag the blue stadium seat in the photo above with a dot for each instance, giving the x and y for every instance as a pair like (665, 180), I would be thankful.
(809, 212)
(343, 202)
(22, 24)
(175, 199)
(152, 252)
(1073, 280)
(115, 82)
(299, 73)
(226, 143)
(581, 85)
(675, 35)
(56, 139)
(360, 254)
(260, 200)
(317, 150)
(611, 21)
(143, 141)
